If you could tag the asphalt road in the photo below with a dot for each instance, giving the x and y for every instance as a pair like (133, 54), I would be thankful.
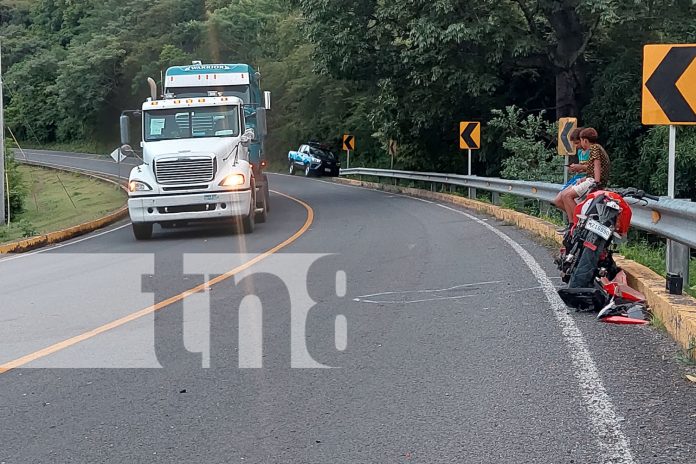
(354, 326)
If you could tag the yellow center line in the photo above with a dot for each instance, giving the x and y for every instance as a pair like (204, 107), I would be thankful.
(163, 304)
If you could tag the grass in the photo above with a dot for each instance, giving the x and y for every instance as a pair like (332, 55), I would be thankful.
(653, 257)
(47, 206)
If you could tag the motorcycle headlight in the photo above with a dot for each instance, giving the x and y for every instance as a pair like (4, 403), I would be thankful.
(138, 186)
(233, 180)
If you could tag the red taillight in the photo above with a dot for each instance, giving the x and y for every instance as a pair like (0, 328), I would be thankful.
(591, 246)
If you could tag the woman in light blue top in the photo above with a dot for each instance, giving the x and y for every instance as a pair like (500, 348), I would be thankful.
(579, 169)
(583, 155)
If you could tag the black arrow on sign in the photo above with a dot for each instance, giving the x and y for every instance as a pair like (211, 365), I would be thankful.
(663, 84)
(466, 135)
(348, 143)
(564, 137)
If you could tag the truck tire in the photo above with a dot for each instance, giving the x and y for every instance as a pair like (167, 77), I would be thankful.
(249, 221)
(262, 216)
(142, 230)
(291, 170)
(307, 171)
(585, 270)
(267, 193)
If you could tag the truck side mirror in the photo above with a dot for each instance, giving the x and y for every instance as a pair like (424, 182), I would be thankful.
(267, 100)
(247, 137)
(261, 127)
(125, 130)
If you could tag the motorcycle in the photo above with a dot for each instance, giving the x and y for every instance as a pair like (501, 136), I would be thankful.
(586, 260)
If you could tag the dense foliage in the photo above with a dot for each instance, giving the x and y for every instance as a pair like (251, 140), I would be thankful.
(403, 71)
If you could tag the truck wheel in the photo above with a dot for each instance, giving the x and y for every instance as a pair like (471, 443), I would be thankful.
(248, 221)
(291, 171)
(307, 171)
(142, 230)
(263, 215)
(267, 193)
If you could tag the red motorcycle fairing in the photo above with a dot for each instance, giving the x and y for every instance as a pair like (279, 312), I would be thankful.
(623, 320)
(618, 288)
(623, 222)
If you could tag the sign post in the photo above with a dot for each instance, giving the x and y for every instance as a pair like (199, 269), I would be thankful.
(669, 99)
(348, 146)
(565, 146)
(470, 139)
(392, 151)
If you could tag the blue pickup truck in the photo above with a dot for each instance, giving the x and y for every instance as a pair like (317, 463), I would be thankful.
(314, 159)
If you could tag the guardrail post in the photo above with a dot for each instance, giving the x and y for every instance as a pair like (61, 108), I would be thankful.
(472, 193)
(495, 198)
(678, 256)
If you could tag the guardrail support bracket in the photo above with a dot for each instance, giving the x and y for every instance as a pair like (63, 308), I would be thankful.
(678, 257)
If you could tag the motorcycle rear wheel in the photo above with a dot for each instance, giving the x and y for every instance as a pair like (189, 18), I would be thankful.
(586, 269)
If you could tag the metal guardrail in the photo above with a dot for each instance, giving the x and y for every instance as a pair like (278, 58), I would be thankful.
(668, 218)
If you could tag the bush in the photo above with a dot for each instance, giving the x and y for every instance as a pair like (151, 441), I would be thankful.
(530, 142)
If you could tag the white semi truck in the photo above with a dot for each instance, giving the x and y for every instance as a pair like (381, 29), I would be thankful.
(201, 151)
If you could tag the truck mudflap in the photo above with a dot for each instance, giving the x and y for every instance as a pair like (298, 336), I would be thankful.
(199, 206)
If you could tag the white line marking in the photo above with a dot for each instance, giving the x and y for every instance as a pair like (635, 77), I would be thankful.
(460, 297)
(606, 426)
(456, 287)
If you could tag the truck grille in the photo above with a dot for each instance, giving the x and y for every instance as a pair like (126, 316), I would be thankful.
(190, 170)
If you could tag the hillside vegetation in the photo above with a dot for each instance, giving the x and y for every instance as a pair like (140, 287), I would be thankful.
(403, 71)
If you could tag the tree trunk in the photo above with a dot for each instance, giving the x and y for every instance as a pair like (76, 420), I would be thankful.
(566, 93)
(571, 39)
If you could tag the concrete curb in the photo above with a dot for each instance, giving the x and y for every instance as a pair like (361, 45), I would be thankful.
(678, 313)
(50, 238)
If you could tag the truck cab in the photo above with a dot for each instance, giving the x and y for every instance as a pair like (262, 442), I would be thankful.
(202, 150)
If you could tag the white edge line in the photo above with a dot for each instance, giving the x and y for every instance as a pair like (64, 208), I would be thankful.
(606, 427)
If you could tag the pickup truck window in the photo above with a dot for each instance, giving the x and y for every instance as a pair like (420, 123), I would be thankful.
(187, 123)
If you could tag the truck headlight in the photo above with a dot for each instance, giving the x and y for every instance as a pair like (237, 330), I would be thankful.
(233, 180)
(137, 186)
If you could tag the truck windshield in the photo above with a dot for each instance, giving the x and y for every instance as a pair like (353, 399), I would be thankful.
(187, 123)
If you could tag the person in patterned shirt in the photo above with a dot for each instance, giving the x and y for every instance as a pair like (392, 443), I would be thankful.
(598, 167)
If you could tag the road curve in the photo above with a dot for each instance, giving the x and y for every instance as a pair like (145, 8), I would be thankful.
(442, 339)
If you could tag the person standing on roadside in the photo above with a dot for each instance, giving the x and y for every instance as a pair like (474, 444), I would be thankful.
(597, 171)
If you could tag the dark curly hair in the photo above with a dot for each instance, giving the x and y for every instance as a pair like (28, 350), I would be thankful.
(590, 134)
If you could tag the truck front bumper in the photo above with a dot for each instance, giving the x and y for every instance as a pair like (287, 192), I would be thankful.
(192, 207)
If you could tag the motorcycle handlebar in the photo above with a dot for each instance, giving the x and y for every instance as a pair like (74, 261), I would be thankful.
(635, 193)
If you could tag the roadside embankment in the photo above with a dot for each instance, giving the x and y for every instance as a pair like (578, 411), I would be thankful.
(60, 205)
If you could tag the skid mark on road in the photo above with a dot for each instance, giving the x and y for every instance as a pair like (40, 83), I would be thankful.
(24, 360)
